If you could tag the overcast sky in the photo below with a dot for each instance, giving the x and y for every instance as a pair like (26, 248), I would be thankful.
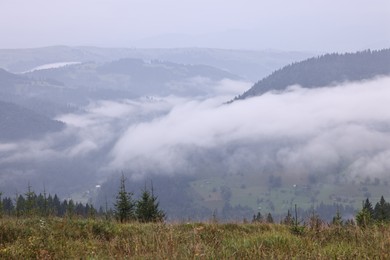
(313, 25)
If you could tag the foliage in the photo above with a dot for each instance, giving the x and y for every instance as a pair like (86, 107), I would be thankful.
(269, 219)
(257, 218)
(325, 70)
(124, 206)
(337, 220)
(363, 218)
(147, 208)
(369, 215)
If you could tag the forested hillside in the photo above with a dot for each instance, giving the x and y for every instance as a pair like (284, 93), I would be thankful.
(325, 70)
(19, 123)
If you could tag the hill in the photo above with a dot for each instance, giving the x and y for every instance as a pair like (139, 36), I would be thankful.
(325, 70)
(134, 77)
(250, 65)
(21, 123)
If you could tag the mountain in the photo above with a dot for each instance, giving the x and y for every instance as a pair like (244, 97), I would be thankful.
(9, 80)
(20, 123)
(247, 64)
(128, 78)
(325, 70)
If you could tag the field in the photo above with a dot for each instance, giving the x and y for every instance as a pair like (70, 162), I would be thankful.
(62, 238)
(257, 192)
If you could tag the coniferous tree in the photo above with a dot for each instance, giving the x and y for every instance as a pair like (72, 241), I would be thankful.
(30, 201)
(337, 220)
(124, 206)
(270, 219)
(57, 208)
(70, 209)
(147, 208)
(365, 216)
(368, 206)
(382, 210)
(8, 206)
(257, 218)
(288, 219)
(20, 205)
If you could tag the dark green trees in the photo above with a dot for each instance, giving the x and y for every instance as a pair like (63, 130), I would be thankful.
(124, 206)
(368, 215)
(147, 208)
(382, 211)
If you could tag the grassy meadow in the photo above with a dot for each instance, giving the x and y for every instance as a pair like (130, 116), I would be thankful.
(257, 193)
(64, 238)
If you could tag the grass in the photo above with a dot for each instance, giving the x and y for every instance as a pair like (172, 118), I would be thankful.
(56, 238)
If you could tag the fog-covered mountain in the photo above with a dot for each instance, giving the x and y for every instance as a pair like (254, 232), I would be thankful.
(325, 70)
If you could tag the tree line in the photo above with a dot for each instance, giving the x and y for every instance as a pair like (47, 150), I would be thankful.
(369, 214)
(126, 208)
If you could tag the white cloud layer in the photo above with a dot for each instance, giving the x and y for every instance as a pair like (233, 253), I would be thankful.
(308, 130)
(334, 131)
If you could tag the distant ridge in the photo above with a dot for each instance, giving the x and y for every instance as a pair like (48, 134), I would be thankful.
(325, 70)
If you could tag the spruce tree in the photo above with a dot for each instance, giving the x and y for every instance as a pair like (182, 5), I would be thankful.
(337, 220)
(147, 208)
(124, 206)
(30, 201)
(270, 219)
(368, 207)
(382, 210)
(365, 216)
(288, 219)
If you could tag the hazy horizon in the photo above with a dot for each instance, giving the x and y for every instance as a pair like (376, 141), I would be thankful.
(253, 25)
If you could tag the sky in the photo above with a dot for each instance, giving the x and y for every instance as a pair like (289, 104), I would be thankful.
(303, 25)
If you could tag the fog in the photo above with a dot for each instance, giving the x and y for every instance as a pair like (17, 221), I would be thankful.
(303, 131)
(339, 132)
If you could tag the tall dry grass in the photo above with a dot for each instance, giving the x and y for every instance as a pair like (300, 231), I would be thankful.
(56, 238)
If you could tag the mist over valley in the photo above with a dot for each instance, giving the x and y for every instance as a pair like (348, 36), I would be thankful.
(74, 127)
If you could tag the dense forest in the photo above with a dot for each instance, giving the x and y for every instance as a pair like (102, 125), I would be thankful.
(325, 70)
(125, 208)
(147, 209)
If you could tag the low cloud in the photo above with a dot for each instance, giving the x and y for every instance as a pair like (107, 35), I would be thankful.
(334, 132)
(301, 131)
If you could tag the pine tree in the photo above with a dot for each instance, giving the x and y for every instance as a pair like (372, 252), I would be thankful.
(270, 219)
(288, 220)
(257, 218)
(368, 206)
(365, 216)
(20, 205)
(30, 201)
(147, 208)
(337, 220)
(382, 210)
(70, 208)
(124, 206)
(8, 206)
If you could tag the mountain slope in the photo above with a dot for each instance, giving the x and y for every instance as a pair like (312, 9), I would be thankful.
(134, 77)
(324, 71)
(20, 123)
